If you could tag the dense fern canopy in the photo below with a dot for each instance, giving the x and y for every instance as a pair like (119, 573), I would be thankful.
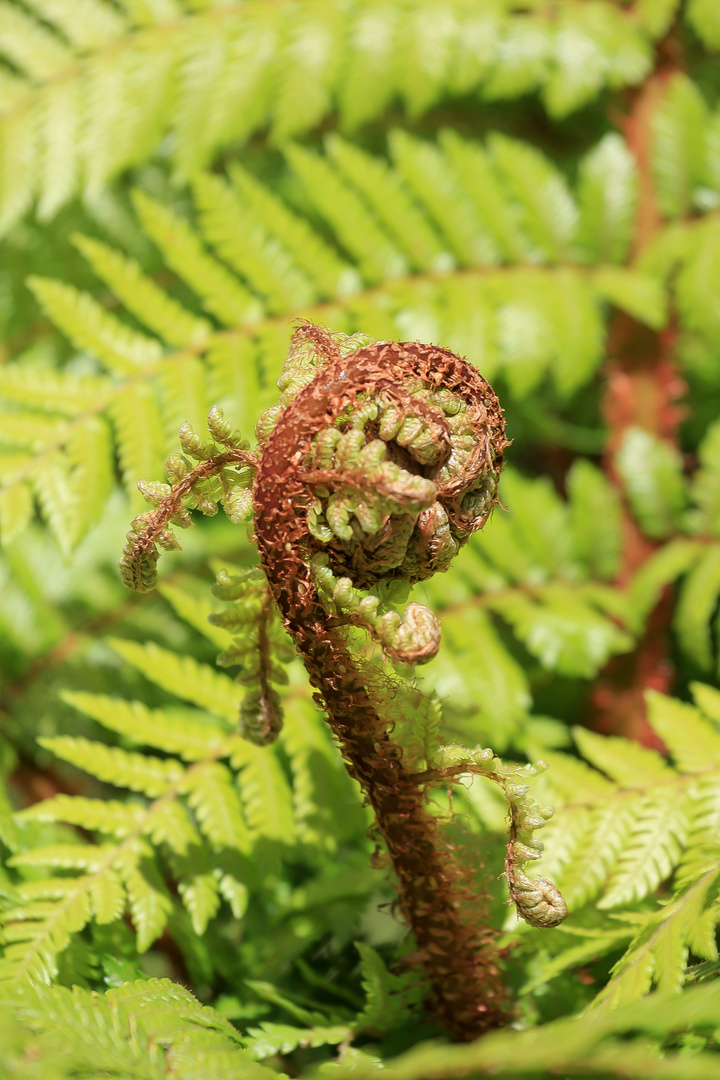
(534, 186)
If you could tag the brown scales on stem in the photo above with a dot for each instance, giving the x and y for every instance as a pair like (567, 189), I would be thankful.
(457, 954)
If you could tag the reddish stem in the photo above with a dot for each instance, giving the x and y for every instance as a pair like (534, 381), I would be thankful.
(643, 387)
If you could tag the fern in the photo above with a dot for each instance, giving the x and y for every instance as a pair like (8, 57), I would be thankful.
(641, 823)
(532, 186)
(215, 78)
(237, 811)
(592, 1044)
(176, 1035)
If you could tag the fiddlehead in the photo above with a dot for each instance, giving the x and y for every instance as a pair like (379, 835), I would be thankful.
(377, 467)
(378, 463)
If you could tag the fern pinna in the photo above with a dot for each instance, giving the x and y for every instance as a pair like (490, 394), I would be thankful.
(377, 465)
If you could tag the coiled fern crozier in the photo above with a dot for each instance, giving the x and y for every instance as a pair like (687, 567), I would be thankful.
(379, 462)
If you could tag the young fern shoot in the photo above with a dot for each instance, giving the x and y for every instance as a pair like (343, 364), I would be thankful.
(379, 462)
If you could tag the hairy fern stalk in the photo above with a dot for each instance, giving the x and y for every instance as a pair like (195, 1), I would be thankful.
(378, 464)
(279, 815)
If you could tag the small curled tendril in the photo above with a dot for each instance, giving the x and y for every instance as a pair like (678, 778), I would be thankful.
(538, 901)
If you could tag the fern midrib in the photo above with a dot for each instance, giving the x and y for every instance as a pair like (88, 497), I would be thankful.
(34, 463)
(109, 301)
(533, 591)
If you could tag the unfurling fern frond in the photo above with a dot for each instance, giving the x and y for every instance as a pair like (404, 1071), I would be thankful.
(223, 475)
(338, 519)
(259, 646)
(248, 776)
(538, 901)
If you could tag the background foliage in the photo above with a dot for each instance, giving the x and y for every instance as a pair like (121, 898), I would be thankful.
(534, 185)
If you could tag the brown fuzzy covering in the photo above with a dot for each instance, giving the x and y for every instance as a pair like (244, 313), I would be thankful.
(455, 949)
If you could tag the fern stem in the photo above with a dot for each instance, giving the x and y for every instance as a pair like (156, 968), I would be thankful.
(457, 955)
(642, 388)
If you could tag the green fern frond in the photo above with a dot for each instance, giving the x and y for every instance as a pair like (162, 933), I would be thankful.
(390, 200)
(696, 563)
(260, 648)
(183, 677)
(89, 451)
(651, 471)
(538, 570)
(108, 816)
(320, 783)
(547, 211)
(209, 821)
(696, 608)
(417, 718)
(313, 255)
(431, 178)
(148, 900)
(195, 610)
(115, 875)
(653, 822)
(220, 291)
(574, 261)
(172, 732)
(591, 1045)
(594, 500)
(141, 296)
(388, 996)
(151, 1028)
(213, 79)
(679, 146)
(354, 226)
(89, 326)
(271, 1039)
(267, 796)
(658, 953)
(214, 799)
(705, 491)
(639, 294)
(138, 426)
(241, 241)
(607, 210)
(138, 772)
